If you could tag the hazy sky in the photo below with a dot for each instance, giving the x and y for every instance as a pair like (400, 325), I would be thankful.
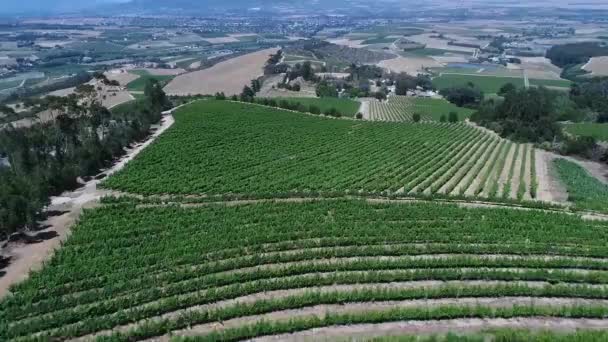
(14, 6)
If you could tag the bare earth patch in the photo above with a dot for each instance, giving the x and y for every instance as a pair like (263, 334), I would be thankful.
(121, 75)
(229, 76)
(550, 189)
(164, 72)
(598, 66)
(411, 65)
(347, 42)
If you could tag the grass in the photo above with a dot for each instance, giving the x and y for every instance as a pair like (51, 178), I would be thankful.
(9, 84)
(488, 84)
(435, 108)
(345, 106)
(140, 83)
(550, 83)
(584, 190)
(597, 130)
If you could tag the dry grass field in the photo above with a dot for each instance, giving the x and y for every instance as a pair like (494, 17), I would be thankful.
(411, 65)
(598, 66)
(229, 76)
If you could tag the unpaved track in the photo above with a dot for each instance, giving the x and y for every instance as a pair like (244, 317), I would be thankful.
(466, 325)
(30, 257)
(550, 189)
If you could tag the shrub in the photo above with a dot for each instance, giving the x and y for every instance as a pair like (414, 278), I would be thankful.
(453, 117)
(416, 117)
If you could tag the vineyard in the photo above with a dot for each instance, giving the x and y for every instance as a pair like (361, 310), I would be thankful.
(262, 222)
(132, 271)
(584, 190)
(218, 147)
(402, 108)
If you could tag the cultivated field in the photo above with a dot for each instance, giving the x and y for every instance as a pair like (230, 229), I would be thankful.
(346, 107)
(228, 76)
(192, 266)
(411, 64)
(584, 190)
(402, 109)
(598, 66)
(217, 271)
(144, 76)
(285, 153)
(596, 130)
(488, 84)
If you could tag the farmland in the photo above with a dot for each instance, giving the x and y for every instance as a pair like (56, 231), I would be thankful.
(228, 76)
(140, 83)
(346, 107)
(292, 154)
(596, 130)
(488, 84)
(585, 191)
(360, 261)
(401, 109)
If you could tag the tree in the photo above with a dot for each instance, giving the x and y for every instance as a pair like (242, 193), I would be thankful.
(325, 89)
(307, 73)
(524, 115)
(157, 99)
(256, 85)
(443, 118)
(507, 88)
(314, 109)
(404, 82)
(247, 94)
(453, 117)
(359, 116)
(416, 117)
(468, 95)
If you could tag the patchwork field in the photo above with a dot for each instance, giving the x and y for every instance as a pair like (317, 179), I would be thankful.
(402, 109)
(596, 130)
(228, 76)
(218, 147)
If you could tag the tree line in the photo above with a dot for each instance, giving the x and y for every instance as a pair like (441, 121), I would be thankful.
(48, 158)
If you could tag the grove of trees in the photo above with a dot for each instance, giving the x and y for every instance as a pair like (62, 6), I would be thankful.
(46, 159)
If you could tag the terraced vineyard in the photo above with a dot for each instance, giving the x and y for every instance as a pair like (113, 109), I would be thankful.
(205, 266)
(220, 148)
(402, 108)
(145, 271)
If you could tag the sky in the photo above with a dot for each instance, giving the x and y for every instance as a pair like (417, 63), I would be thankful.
(21, 6)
